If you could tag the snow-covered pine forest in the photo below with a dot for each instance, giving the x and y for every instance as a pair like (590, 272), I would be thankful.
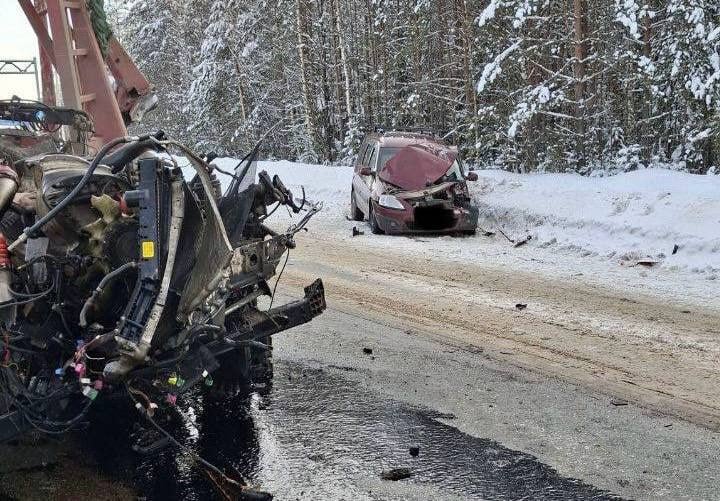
(553, 85)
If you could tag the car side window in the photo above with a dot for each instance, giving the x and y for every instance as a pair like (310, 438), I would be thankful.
(361, 155)
(373, 158)
(368, 151)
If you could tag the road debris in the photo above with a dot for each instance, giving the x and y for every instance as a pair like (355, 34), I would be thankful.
(415, 451)
(516, 243)
(367, 351)
(523, 241)
(396, 474)
(520, 306)
(356, 232)
(648, 262)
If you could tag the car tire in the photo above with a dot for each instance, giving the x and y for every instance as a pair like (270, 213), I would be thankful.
(355, 213)
(374, 226)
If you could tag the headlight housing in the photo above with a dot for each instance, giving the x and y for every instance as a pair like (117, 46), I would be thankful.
(390, 202)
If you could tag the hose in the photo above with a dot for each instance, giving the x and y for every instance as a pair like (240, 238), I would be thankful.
(98, 290)
(81, 184)
(125, 154)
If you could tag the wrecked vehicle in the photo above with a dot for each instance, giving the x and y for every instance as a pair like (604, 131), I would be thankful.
(124, 277)
(407, 182)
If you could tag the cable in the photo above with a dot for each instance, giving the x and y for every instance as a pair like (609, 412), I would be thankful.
(70, 196)
(182, 447)
(271, 212)
(272, 298)
(30, 299)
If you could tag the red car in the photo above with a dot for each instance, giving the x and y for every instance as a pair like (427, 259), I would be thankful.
(407, 182)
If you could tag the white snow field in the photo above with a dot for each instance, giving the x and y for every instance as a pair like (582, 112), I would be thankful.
(583, 228)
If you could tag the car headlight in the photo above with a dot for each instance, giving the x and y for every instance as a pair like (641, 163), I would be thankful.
(390, 202)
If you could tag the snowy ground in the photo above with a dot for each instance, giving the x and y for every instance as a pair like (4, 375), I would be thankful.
(589, 229)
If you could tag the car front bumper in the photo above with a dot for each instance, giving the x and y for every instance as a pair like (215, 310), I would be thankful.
(445, 220)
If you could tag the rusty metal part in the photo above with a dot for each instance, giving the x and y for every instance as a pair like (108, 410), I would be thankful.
(8, 186)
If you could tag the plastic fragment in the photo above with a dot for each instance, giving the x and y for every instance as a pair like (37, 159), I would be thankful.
(90, 393)
(171, 399)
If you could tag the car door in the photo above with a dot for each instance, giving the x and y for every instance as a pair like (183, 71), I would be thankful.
(357, 181)
(363, 184)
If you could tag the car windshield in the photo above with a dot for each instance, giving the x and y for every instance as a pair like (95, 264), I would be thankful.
(385, 155)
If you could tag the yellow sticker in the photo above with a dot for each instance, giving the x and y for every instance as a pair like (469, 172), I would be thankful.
(148, 249)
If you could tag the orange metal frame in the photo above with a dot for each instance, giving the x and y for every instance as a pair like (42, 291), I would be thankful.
(83, 73)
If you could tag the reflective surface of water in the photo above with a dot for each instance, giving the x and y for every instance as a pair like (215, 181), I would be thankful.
(316, 435)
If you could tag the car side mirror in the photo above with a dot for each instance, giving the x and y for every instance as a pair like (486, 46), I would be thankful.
(366, 171)
(471, 176)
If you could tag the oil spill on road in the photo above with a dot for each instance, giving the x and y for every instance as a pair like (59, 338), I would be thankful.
(316, 435)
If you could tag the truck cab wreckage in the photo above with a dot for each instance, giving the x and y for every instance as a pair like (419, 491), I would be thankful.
(122, 275)
(133, 278)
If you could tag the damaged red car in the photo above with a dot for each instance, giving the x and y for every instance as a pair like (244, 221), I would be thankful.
(408, 182)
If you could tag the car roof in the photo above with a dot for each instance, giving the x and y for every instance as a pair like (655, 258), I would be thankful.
(400, 139)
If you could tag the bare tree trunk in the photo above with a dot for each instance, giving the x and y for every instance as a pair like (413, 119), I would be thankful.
(343, 59)
(241, 92)
(580, 25)
(311, 118)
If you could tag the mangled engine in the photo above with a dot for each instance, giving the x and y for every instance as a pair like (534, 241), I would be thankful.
(130, 276)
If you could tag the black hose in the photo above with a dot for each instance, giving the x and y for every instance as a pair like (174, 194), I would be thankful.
(98, 290)
(73, 193)
(124, 155)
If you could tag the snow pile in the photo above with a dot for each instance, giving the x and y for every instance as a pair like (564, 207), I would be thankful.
(630, 216)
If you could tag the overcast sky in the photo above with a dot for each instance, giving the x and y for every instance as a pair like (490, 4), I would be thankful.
(17, 41)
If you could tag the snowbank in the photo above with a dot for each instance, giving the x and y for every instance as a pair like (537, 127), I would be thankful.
(640, 214)
(579, 225)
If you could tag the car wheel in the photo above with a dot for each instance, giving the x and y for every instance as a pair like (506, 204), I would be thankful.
(374, 226)
(355, 213)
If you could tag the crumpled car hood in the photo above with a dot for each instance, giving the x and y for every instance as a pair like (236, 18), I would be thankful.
(436, 188)
(417, 166)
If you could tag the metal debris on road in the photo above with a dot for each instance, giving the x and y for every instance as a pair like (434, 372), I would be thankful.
(396, 474)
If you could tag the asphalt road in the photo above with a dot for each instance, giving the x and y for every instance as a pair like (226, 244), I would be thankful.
(569, 431)
(502, 404)
(337, 417)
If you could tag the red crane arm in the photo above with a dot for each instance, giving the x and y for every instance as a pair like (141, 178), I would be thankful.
(82, 71)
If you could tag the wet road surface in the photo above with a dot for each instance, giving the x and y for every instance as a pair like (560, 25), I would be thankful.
(316, 435)
(336, 417)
